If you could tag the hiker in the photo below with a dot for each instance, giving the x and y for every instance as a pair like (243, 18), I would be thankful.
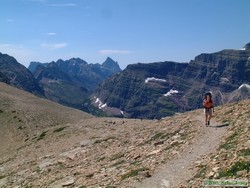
(208, 107)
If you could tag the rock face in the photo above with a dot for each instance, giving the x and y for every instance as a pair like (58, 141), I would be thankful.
(15, 74)
(160, 89)
(70, 82)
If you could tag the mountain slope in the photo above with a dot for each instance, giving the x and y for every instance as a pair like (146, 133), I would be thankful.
(49, 145)
(70, 82)
(15, 74)
(157, 90)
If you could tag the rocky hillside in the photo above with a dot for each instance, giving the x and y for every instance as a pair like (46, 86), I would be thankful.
(15, 74)
(160, 89)
(70, 82)
(47, 145)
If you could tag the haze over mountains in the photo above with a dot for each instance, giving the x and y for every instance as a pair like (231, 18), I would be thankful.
(152, 90)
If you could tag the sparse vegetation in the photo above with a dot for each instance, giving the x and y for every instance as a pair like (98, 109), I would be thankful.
(1, 177)
(42, 135)
(245, 152)
(118, 163)
(133, 173)
(59, 129)
(104, 140)
(201, 172)
(238, 166)
(117, 156)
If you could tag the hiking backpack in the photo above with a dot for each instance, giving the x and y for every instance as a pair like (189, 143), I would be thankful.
(205, 98)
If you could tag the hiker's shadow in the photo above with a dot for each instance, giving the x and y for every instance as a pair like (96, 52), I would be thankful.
(220, 125)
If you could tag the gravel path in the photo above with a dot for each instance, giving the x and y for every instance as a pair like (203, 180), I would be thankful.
(179, 170)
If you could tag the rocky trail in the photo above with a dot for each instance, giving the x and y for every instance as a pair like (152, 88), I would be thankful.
(44, 144)
(181, 169)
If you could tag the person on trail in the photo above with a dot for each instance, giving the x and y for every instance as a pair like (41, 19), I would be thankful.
(208, 107)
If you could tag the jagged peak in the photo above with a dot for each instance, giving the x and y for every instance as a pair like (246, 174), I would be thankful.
(111, 64)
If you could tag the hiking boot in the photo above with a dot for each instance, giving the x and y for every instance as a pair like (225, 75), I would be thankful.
(208, 123)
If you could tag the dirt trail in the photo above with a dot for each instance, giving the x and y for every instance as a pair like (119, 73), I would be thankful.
(179, 170)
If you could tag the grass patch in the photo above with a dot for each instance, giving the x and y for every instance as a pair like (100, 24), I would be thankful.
(233, 136)
(245, 152)
(59, 129)
(42, 135)
(157, 136)
(238, 166)
(133, 173)
(228, 146)
(161, 136)
(117, 156)
(118, 163)
(1, 111)
(1, 177)
(201, 172)
(104, 140)
(230, 142)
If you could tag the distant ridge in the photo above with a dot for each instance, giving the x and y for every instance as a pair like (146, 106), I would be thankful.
(144, 90)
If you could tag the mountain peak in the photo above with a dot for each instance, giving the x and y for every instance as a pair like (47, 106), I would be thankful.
(247, 46)
(111, 64)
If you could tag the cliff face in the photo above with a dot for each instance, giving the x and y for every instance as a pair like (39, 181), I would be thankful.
(160, 89)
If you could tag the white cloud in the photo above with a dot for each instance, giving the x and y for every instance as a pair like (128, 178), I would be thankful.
(54, 46)
(51, 34)
(112, 52)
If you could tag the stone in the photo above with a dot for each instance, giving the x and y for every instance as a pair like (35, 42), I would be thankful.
(68, 181)
(211, 174)
(45, 163)
(242, 172)
(215, 169)
(198, 163)
(247, 144)
(165, 183)
(61, 160)
(175, 152)
(84, 143)
(176, 137)
(154, 152)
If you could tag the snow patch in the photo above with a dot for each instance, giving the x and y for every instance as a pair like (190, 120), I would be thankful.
(153, 79)
(171, 92)
(243, 49)
(122, 112)
(244, 85)
(100, 103)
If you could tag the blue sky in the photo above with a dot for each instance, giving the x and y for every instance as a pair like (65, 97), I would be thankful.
(129, 31)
